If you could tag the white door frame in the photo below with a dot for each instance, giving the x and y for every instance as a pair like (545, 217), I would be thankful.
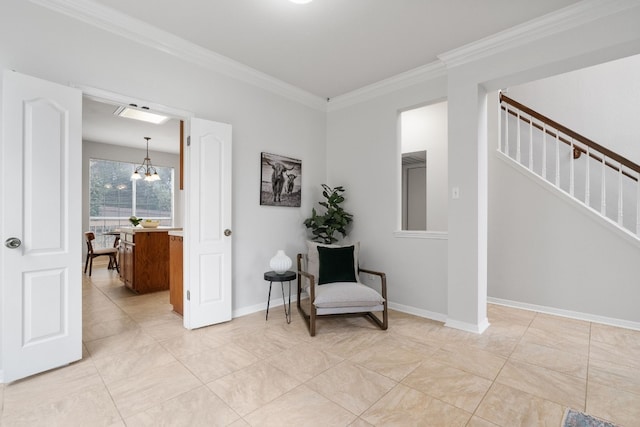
(105, 95)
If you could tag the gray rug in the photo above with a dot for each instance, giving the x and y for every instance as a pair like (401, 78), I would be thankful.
(578, 419)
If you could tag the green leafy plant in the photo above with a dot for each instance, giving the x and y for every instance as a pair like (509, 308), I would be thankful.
(335, 219)
(135, 221)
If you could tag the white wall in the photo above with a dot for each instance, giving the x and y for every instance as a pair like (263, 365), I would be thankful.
(363, 149)
(545, 250)
(601, 102)
(52, 46)
(451, 277)
(425, 128)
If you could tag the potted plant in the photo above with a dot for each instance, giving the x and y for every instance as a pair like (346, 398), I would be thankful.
(335, 219)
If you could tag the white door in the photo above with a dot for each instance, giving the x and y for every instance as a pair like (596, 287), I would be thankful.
(40, 194)
(207, 238)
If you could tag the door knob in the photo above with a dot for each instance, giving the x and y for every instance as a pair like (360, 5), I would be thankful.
(227, 232)
(13, 243)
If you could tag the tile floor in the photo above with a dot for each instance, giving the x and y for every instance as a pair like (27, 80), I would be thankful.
(141, 368)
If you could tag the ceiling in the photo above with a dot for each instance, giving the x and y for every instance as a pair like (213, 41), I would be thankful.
(326, 47)
(99, 124)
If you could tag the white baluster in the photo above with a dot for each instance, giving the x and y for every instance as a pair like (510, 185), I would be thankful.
(603, 196)
(557, 159)
(620, 199)
(571, 169)
(506, 130)
(544, 151)
(531, 143)
(518, 138)
(638, 206)
(499, 123)
(587, 183)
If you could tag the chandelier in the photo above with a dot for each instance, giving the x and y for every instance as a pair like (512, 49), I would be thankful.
(146, 168)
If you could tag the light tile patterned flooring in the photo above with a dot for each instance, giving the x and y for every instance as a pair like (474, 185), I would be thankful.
(141, 368)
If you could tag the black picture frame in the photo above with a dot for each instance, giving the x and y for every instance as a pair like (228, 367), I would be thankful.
(280, 180)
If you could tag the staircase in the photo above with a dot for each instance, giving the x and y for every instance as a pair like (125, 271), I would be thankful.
(599, 179)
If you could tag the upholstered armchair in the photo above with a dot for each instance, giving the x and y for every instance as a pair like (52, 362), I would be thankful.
(330, 275)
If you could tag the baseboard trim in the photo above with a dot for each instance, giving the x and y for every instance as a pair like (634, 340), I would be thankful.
(621, 323)
(432, 315)
(464, 326)
(245, 311)
(468, 327)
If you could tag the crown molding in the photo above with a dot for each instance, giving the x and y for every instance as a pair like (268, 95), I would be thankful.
(400, 81)
(140, 32)
(561, 20)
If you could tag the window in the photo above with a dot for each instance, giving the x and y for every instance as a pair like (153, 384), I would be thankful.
(423, 153)
(114, 196)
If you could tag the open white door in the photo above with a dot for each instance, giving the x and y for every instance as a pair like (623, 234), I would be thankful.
(40, 258)
(207, 237)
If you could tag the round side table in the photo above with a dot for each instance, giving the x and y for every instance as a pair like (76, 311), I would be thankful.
(287, 276)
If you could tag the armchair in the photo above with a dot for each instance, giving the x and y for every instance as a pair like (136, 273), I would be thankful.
(329, 274)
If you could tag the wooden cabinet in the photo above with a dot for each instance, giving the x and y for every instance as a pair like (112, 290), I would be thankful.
(144, 259)
(175, 273)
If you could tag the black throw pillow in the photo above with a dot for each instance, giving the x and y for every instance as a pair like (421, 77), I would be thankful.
(336, 265)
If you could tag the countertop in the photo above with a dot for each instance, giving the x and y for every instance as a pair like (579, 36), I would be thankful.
(178, 233)
(133, 230)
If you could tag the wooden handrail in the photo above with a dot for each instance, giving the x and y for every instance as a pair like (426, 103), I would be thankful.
(566, 141)
(572, 134)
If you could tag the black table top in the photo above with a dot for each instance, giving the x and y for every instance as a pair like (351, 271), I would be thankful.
(272, 276)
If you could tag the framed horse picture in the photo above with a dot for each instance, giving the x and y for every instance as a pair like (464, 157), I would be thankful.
(280, 180)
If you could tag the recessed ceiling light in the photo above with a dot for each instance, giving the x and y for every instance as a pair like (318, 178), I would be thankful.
(300, 1)
(131, 112)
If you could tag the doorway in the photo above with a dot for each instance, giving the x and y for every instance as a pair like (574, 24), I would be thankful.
(112, 148)
(43, 160)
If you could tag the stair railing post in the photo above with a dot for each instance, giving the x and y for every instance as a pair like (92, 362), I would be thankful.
(638, 206)
(557, 159)
(587, 183)
(518, 152)
(571, 169)
(499, 124)
(544, 151)
(620, 199)
(506, 130)
(603, 191)
(531, 143)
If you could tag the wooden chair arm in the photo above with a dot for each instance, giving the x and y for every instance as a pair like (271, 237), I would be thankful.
(381, 275)
(301, 274)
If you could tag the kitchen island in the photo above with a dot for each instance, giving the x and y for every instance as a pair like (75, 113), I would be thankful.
(144, 258)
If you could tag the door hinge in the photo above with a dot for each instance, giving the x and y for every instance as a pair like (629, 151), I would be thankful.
(188, 295)
(189, 141)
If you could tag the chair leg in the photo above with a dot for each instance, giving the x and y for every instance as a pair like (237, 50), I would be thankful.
(86, 264)
(90, 266)
(312, 321)
(385, 317)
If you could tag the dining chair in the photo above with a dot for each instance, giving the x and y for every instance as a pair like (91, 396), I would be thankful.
(92, 253)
